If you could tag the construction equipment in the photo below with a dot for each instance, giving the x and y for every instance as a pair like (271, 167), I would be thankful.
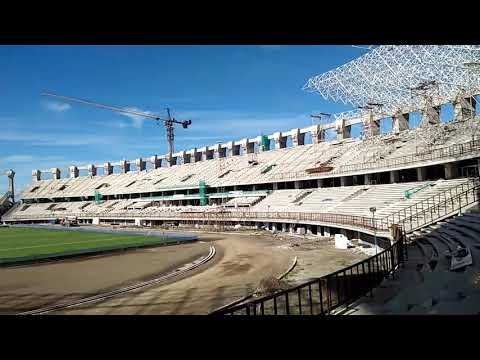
(168, 122)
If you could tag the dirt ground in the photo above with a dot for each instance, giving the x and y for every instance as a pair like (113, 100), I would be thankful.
(241, 262)
(29, 287)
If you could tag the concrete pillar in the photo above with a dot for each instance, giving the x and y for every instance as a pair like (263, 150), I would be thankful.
(249, 147)
(319, 230)
(431, 116)
(284, 227)
(187, 158)
(371, 127)
(326, 231)
(343, 132)
(464, 108)
(300, 230)
(156, 161)
(280, 141)
(140, 164)
(320, 183)
(275, 186)
(421, 174)
(138, 222)
(344, 232)
(124, 166)
(274, 227)
(235, 149)
(220, 152)
(92, 170)
(73, 171)
(318, 134)
(368, 179)
(394, 176)
(292, 229)
(298, 184)
(56, 173)
(400, 122)
(107, 168)
(309, 229)
(451, 171)
(196, 156)
(36, 175)
(346, 181)
(298, 138)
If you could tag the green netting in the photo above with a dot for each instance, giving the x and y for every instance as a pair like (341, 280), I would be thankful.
(202, 193)
(265, 143)
(98, 197)
(410, 192)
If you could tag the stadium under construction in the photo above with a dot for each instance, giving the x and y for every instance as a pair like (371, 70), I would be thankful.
(417, 186)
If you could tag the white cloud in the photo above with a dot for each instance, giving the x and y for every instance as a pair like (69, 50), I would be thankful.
(17, 158)
(137, 120)
(58, 107)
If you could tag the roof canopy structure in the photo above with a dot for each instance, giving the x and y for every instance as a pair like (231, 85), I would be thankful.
(400, 78)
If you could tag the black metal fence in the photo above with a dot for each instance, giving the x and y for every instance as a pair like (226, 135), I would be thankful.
(321, 296)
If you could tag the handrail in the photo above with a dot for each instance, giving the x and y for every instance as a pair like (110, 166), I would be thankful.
(435, 154)
(322, 295)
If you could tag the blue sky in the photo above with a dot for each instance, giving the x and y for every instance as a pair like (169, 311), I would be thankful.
(229, 92)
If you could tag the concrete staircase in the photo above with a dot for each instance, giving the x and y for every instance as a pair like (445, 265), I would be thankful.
(426, 285)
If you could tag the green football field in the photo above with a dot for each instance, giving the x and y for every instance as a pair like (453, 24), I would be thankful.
(24, 242)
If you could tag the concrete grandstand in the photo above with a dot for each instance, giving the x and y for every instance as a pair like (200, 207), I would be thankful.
(315, 186)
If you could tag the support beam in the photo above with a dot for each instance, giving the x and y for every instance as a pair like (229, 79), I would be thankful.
(140, 164)
(400, 122)
(318, 134)
(298, 138)
(56, 173)
(124, 166)
(371, 127)
(394, 177)
(73, 171)
(107, 168)
(464, 108)
(156, 161)
(280, 140)
(343, 131)
(36, 175)
(451, 171)
(431, 116)
(421, 174)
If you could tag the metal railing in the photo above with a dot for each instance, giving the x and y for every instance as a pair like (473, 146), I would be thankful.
(451, 151)
(439, 205)
(322, 295)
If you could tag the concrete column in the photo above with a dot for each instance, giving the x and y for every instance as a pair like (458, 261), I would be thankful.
(235, 150)
(292, 229)
(298, 138)
(249, 147)
(326, 231)
(343, 132)
(107, 168)
(344, 232)
(368, 179)
(187, 158)
(421, 174)
(284, 227)
(280, 141)
(394, 176)
(73, 171)
(400, 122)
(370, 126)
(138, 222)
(318, 134)
(56, 173)
(196, 156)
(275, 186)
(124, 166)
(156, 161)
(92, 170)
(451, 171)
(431, 116)
(36, 175)
(309, 229)
(463, 108)
(320, 183)
(300, 230)
(297, 184)
(274, 227)
(319, 230)
(346, 181)
(140, 164)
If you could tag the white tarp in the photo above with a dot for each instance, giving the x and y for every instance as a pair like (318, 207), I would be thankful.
(341, 241)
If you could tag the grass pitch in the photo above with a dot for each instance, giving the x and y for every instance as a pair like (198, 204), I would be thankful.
(24, 242)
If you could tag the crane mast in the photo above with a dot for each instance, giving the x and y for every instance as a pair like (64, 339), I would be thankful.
(168, 122)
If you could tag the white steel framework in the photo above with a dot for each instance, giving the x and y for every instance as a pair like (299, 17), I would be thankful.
(396, 76)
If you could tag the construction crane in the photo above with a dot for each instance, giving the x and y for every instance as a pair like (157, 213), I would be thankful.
(10, 174)
(168, 122)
